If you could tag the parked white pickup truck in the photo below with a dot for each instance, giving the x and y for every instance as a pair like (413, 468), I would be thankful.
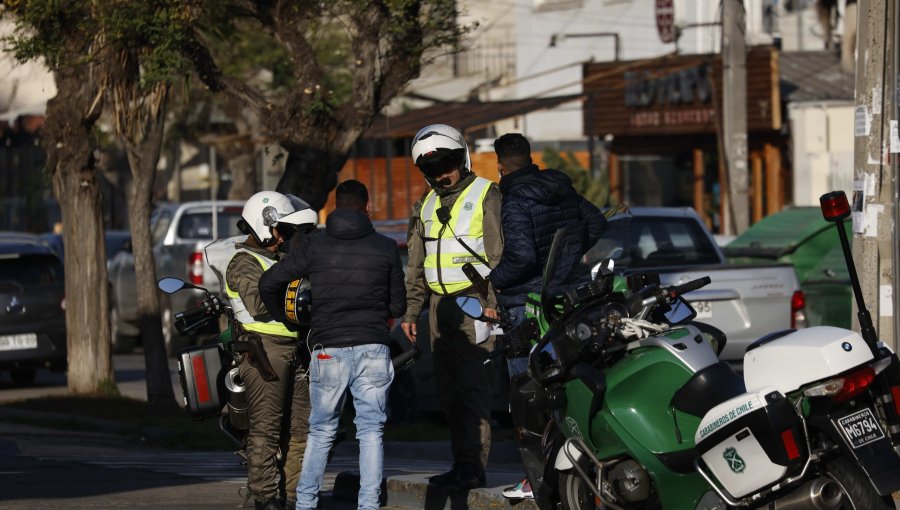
(179, 233)
(745, 302)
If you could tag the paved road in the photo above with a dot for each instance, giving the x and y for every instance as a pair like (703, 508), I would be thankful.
(56, 469)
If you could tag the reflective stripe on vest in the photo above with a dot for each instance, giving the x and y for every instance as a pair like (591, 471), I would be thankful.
(444, 253)
(240, 310)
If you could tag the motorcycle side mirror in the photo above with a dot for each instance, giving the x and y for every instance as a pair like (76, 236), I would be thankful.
(680, 312)
(172, 285)
(470, 306)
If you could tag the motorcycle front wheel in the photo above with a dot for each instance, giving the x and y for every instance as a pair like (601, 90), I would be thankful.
(574, 493)
(857, 490)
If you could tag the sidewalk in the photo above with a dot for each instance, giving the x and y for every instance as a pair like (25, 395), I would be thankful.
(408, 488)
(408, 465)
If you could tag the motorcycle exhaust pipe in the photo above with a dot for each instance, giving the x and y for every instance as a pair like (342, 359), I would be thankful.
(237, 400)
(818, 494)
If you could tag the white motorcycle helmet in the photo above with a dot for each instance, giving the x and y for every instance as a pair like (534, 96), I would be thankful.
(438, 148)
(267, 209)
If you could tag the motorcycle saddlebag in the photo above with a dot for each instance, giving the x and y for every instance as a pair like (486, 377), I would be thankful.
(202, 374)
(751, 442)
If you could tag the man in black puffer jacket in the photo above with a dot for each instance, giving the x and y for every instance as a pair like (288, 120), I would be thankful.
(535, 204)
(356, 282)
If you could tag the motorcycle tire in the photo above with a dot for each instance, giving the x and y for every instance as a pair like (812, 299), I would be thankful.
(858, 491)
(574, 493)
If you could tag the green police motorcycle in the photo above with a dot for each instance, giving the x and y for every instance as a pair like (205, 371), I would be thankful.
(626, 405)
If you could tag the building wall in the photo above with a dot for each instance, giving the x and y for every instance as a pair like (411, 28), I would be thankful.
(635, 23)
(822, 149)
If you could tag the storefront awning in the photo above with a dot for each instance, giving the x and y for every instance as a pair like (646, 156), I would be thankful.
(814, 76)
(463, 116)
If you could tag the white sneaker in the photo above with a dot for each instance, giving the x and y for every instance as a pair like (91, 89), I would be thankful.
(521, 490)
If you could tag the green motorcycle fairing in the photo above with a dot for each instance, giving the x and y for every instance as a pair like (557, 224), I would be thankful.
(637, 420)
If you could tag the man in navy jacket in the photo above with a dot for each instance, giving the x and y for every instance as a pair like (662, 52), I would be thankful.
(535, 204)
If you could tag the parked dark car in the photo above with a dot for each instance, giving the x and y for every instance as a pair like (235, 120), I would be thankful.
(116, 241)
(32, 307)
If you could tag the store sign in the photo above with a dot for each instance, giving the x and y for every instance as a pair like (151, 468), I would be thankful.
(676, 95)
(679, 87)
(685, 87)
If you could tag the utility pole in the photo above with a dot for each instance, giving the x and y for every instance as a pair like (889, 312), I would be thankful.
(875, 151)
(734, 116)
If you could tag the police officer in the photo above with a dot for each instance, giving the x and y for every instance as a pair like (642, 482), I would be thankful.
(458, 222)
(279, 396)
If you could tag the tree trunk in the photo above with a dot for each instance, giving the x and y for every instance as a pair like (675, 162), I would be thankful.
(68, 134)
(143, 158)
(243, 184)
(311, 173)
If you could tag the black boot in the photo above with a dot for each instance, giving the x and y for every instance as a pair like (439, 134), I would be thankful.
(271, 504)
(471, 477)
(448, 478)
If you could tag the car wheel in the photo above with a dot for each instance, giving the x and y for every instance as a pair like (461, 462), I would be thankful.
(23, 375)
(121, 344)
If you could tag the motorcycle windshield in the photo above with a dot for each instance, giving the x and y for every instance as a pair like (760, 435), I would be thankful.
(612, 245)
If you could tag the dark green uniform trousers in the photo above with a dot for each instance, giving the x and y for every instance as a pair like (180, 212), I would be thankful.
(279, 420)
(464, 383)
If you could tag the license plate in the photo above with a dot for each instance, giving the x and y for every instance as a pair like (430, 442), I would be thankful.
(861, 428)
(703, 308)
(18, 342)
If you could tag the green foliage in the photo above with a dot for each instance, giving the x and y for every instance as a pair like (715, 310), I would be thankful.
(108, 388)
(595, 191)
(158, 31)
(45, 28)
(75, 32)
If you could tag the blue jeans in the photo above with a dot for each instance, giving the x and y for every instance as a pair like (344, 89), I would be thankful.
(367, 371)
(516, 366)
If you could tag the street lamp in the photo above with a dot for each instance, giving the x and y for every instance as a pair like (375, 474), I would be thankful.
(557, 38)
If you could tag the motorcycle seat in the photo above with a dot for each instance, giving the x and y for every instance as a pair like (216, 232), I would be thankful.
(708, 388)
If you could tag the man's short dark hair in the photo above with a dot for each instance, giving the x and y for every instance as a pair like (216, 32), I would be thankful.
(513, 150)
(351, 194)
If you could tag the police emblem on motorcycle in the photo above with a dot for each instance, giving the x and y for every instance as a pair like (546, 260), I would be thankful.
(735, 462)
(468, 206)
(846, 346)
(573, 426)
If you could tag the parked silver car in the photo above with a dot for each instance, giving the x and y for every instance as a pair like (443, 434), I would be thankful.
(179, 232)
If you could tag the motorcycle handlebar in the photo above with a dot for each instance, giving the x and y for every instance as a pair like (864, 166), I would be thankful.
(692, 285)
(191, 319)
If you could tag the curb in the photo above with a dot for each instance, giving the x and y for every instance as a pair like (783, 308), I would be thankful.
(502, 452)
(414, 491)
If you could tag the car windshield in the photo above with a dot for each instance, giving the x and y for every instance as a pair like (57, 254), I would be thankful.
(37, 269)
(652, 242)
(199, 224)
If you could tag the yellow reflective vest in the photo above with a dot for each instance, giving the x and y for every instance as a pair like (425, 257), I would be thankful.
(444, 250)
(240, 309)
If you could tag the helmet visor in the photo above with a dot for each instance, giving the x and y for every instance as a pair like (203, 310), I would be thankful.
(440, 161)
